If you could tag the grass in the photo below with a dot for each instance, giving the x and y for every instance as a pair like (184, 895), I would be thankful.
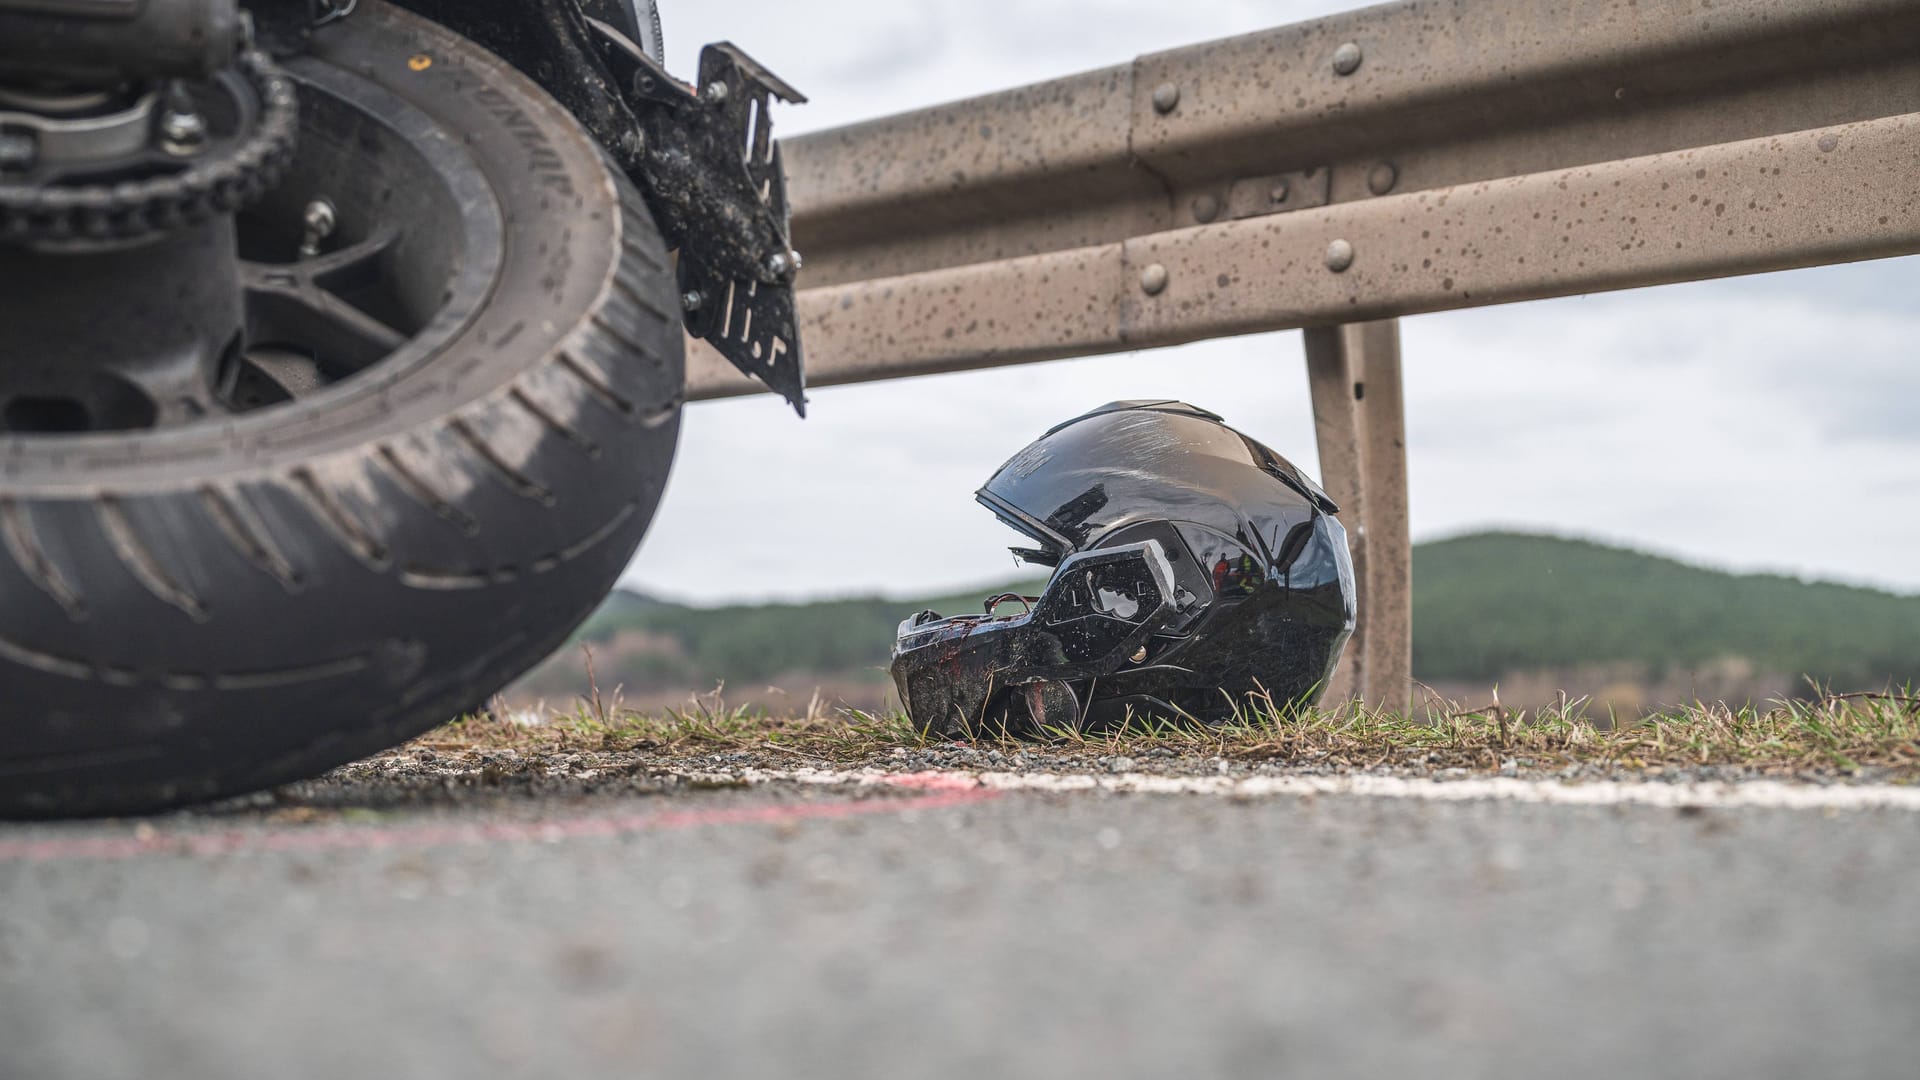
(1828, 732)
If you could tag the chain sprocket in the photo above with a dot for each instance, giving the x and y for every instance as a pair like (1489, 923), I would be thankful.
(227, 180)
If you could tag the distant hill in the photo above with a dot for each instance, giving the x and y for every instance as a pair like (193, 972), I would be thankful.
(1486, 606)
(1492, 603)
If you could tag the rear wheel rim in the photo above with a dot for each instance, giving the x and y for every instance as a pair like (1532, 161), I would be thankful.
(259, 310)
(413, 251)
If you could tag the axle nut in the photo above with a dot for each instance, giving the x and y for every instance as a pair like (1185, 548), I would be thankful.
(182, 132)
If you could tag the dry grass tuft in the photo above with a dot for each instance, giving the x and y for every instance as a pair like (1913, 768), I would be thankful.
(1827, 732)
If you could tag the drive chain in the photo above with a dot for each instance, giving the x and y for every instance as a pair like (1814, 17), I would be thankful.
(135, 208)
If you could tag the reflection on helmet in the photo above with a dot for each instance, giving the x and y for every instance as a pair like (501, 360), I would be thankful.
(1192, 567)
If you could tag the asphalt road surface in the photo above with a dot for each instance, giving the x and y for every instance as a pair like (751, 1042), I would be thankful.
(932, 928)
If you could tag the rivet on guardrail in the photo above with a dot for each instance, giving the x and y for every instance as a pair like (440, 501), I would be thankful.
(1153, 279)
(1165, 97)
(1205, 208)
(1346, 59)
(1382, 177)
(1339, 255)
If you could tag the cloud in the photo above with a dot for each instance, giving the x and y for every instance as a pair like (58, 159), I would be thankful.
(1744, 422)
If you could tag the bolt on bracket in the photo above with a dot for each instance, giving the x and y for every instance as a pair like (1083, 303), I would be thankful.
(1277, 193)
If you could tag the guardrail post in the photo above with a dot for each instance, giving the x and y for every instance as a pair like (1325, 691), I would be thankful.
(1359, 420)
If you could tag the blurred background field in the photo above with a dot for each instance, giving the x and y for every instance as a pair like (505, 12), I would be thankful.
(1533, 614)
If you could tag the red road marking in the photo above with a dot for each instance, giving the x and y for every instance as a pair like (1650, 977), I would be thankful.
(943, 792)
(932, 780)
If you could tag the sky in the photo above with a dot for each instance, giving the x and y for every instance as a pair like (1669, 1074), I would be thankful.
(1761, 423)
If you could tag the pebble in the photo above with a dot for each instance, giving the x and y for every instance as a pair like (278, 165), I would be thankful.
(1120, 764)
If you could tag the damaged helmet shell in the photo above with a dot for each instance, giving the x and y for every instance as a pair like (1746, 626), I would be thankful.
(1192, 565)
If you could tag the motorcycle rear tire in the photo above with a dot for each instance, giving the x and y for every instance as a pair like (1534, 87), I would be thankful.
(194, 612)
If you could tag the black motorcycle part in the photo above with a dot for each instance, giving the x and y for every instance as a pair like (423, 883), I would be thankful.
(705, 160)
(736, 279)
(429, 485)
(636, 20)
(100, 42)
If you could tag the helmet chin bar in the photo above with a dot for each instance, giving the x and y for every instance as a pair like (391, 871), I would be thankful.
(1097, 616)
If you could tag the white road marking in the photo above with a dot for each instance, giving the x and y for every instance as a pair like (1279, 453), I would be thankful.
(1766, 794)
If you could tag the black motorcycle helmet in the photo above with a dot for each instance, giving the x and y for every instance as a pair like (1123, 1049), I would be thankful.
(1192, 567)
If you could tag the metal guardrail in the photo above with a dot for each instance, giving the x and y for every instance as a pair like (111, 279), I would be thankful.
(1400, 159)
